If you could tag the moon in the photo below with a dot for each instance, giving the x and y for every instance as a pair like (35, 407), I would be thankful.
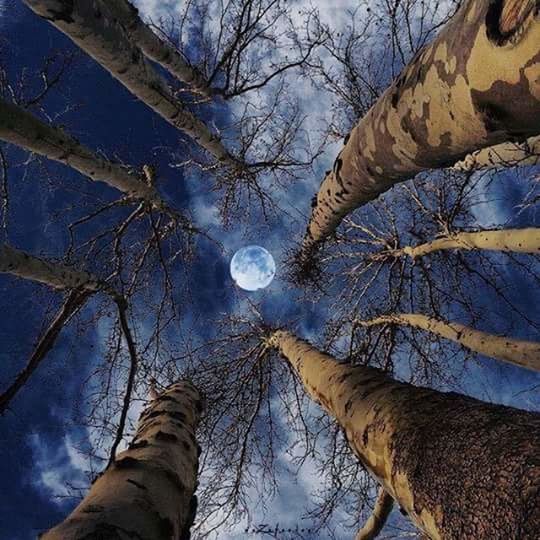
(253, 268)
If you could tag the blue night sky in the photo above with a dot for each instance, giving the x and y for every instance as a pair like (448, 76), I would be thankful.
(44, 444)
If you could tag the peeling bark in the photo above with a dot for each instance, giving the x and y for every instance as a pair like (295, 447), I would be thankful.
(472, 88)
(514, 351)
(502, 155)
(147, 493)
(86, 24)
(376, 522)
(57, 276)
(507, 240)
(155, 48)
(21, 128)
(460, 468)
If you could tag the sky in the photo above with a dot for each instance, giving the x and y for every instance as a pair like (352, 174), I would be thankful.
(43, 444)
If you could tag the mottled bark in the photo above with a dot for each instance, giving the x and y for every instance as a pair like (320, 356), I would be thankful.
(21, 128)
(156, 48)
(55, 275)
(460, 468)
(508, 240)
(475, 86)
(514, 351)
(85, 22)
(147, 493)
(502, 155)
(374, 525)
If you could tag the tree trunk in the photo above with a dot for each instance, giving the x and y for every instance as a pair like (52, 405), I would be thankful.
(502, 155)
(23, 129)
(148, 491)
(376, 522)
(155, 48)
(84, 22)
(508, 240)
(475, 86)
(514, 351)
(57, 276)
(460, 468)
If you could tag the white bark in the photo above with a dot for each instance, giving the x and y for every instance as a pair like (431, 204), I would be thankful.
(85, 22)
(155, 48)
(58, 276)
(147, 492)
(21, 128)
(514, 351)
(507, 240)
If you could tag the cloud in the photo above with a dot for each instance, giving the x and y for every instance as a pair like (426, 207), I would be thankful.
(58, 467)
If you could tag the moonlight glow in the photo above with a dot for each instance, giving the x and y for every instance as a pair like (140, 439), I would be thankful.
(253, 268)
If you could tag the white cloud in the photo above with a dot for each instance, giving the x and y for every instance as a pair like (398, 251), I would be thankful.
(58, 468)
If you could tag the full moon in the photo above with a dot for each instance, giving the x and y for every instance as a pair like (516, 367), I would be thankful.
(253, 268)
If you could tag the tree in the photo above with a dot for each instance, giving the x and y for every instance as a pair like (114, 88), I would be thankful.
(482, 50)
(148, 490)
(381, 510)
(519, 352)
(87, 24)
(457, 466)
(81, 285)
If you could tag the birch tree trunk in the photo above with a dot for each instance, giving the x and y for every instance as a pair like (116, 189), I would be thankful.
(502, 155)
(476, 85)
(514, 351)
(460, 468)
(21, 128)
(155, 48)
(57, 276)
(86, 24)
(148, 491)
(508, 240)
(376, 522)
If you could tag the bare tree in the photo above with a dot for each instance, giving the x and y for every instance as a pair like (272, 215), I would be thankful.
(89, 27)
(148, 490)
(381, 510)
(396, 430)
(409, 129)
(516, 351)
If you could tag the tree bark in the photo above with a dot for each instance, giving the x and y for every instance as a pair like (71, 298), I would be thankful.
(21, 128)
(148, 491)
(502, 155)
(459, 467)
(508, 240)
(56, 275)
(514, 351)
(142, 36)
(86, 24)
(475, 86)
(376, 522)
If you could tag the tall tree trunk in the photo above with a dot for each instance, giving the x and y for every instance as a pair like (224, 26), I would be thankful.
(21, 128)
(148, 491)
(376, 522)
(509, 240)
(85, 22)
(475, 86)
(459, 467)
(502, 155)
(55, 275)
(158, 50)
(514, 351)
